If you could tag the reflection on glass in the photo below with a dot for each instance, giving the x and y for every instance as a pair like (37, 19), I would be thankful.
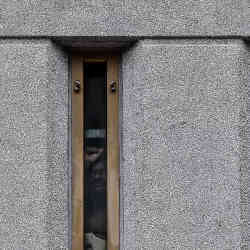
(95, 172)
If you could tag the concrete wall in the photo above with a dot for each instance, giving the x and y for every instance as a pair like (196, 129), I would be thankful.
(34, 172)
(184, 162)
(184, 120)
(124, 18)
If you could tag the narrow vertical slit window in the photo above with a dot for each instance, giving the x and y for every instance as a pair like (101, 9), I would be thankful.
(95, 153)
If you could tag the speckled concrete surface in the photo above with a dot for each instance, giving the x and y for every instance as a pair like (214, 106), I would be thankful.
(184, 120)
(184, 117)
(124, 18)
(33, 146)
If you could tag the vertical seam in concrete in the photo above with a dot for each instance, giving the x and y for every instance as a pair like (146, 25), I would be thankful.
(70, 152)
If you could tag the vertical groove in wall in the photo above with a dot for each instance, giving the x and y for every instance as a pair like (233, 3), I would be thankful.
(70, 151)
(244, 144)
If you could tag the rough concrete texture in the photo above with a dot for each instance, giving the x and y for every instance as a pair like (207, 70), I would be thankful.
(184, 156)
(124, 18)
(245, 166)
(33, 146)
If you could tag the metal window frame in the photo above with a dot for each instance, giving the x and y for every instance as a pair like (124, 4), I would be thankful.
(113, 175)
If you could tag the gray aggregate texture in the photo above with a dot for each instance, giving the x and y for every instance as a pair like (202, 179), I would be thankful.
(124, 18)
(185, 145)
(34, 165)
(245, 166)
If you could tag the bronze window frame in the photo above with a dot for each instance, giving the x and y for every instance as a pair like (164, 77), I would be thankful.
(113, 175)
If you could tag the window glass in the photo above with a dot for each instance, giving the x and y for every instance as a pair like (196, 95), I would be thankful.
(95, 155)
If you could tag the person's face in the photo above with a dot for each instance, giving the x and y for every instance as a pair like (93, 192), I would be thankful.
(98, 177)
